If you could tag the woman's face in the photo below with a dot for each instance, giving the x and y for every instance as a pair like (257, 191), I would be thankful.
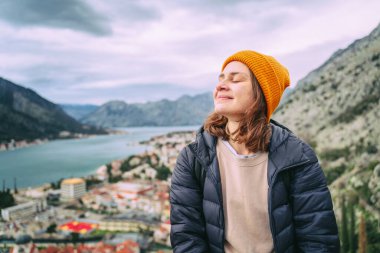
(233, 94)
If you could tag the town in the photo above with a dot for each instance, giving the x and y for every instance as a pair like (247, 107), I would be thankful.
(123, 207)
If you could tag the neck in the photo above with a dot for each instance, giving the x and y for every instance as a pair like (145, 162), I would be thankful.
(240, 148)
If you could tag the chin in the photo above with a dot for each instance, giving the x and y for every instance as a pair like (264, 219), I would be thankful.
(222, 111)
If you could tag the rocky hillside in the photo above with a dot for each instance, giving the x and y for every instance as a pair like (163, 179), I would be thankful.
(187, 110)
(25, 115)
(336, 109)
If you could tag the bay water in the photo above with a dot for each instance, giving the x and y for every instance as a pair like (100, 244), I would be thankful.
(51, 161)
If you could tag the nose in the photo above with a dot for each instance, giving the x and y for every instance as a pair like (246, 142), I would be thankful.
(221, 85)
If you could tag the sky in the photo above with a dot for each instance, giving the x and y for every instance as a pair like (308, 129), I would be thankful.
(93, 51)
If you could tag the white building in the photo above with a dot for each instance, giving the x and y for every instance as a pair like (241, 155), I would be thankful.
(73, 188)
(22, 211)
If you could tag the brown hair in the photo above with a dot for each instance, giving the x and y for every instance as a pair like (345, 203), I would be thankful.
(253, 130)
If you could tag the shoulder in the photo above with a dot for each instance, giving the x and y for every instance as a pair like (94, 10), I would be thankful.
(304, 147)
(186, 156)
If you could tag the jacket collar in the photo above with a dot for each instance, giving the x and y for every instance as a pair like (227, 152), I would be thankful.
(204, 147)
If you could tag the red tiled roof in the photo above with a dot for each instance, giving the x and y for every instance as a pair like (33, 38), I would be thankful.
(50, 249)
(78, 227)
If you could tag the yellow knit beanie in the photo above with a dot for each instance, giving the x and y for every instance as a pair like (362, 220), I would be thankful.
(272, 76)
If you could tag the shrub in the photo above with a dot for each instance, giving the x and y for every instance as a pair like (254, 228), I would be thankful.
(334, 154)
(334, 173)
(163, 173)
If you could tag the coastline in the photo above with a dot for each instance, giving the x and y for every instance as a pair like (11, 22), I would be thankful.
(64, 135)
(152, 144)
(147, 175)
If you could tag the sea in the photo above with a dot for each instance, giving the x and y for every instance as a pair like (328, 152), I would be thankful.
(49, 162)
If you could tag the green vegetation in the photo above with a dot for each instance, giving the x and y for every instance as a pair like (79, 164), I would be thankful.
(369, 233)
(359, 224)
(369, 148)
(344, 226)
(163, 173)
(334, 154)
(91, 182)
(56, 185)
(372, 165)
(6, 199)
(114, 179)
(144, 159)
(372, 234)
(126, 166)
(309, 87)
(333, 173)
(357, 235)
(134, 161)
(375, 57)
(352, 238)
(352, 111)
(51, 229)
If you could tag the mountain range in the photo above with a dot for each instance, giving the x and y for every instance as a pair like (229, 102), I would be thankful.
(25, 115)
(186, 110)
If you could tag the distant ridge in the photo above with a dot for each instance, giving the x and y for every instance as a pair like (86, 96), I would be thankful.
(25, 115)
(186, 110)
(78, 111)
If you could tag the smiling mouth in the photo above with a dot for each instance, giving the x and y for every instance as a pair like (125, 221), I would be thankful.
(223, 98)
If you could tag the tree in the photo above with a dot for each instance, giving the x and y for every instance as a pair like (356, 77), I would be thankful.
(52, 228)
(351, 209)
(362, 235)
(109, 173)
(74, 237)
(6, 199)
(163, 173)
(344, 233)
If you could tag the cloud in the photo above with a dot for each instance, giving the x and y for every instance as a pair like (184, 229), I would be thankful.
(71, 14)
(163, 45)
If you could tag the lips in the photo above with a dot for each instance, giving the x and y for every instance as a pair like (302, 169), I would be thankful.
(224, 97)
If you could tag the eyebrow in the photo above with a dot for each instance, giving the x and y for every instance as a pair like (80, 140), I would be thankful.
(221, 75)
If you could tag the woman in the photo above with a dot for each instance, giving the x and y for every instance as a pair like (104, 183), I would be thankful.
(263, 190)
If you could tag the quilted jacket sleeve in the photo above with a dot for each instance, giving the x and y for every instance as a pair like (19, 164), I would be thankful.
(186, 215)
(314, 218)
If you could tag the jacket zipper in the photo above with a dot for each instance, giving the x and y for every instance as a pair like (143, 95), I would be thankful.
(272, 228)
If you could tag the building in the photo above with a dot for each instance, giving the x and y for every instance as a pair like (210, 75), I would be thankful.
(22, 211)
(132, 190)
(73, 188)
(130, 222)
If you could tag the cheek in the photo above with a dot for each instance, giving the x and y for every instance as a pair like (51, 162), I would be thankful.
(245, 98)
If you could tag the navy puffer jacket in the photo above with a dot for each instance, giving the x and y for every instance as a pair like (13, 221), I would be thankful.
(306, 225)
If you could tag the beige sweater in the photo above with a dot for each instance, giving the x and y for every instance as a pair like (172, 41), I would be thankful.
(245, 200)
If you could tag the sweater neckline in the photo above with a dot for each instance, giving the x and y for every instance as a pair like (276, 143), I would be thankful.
(234, 152)
(242, 160)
